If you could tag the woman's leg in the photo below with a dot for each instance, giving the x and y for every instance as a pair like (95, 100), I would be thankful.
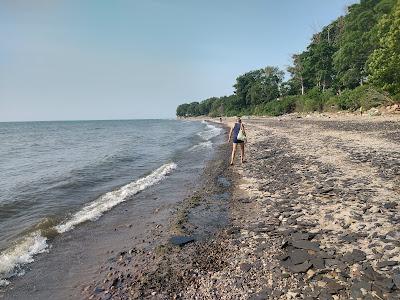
(234, 145)
(242, 152)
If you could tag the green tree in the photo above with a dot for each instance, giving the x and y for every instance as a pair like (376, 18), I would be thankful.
(384, 63)
(358, 41)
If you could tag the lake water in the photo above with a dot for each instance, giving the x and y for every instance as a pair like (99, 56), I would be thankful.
(56, 176)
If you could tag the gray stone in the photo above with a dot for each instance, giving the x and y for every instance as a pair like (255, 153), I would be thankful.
(245, 267)
(300, 236)
(390, 205)
(318, 263)
(355, 256)
(180, 240)
(301, 244)
(333, 287)
(387, 263)
(262, 295)
(298, 256)
(300, 268)
(386, 284)
(396, 280)
(371, 273)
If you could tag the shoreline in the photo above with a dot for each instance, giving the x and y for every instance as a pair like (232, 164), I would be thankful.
(76, 256)
(312, 214)
(322, 227)
(145, 272)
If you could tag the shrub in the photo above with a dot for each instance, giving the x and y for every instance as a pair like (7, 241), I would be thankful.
(277, 107)
(363, 96)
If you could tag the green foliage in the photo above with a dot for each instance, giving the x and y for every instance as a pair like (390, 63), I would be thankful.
(259, 86)
(384, 63)
(349, 64)
(277, 107)
(363, 96)
(358, 40)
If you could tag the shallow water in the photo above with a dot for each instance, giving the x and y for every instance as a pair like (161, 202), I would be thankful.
(57, 176)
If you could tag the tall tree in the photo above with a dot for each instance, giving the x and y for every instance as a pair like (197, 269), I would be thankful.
(357, 41)
(384, 63)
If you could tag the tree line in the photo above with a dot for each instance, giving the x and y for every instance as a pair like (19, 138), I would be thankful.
(353, 62)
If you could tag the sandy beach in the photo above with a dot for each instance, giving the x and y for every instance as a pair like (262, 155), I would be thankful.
(313, 214)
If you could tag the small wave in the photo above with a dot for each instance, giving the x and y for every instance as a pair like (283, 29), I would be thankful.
(201, 146)
(107, 201)
(210, 132)
(12, 259)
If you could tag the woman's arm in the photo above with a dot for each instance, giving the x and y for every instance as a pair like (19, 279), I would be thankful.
(230, 134)
(244, 131)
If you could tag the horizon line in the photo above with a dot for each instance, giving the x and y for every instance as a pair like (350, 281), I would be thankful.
(87, 120)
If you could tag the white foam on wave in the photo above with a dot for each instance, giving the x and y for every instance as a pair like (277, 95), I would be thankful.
(210, 132)
(107, 201)
(12, 259)
(201, 146)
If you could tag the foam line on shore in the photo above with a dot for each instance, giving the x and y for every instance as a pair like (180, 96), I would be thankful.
(210, 132)
(22, 252)
(12, 259)
(107, 201)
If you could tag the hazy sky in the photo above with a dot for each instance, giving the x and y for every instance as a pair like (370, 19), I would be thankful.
(109, 59)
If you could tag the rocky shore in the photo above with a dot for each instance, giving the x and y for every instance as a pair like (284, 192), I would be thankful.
(314, 213)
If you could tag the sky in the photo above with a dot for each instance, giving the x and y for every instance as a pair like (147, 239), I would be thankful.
(102, 59)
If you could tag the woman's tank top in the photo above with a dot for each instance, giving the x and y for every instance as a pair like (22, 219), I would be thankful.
(236, 130)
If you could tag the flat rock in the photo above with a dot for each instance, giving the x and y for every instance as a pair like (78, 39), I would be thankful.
(386, 284)
(302, 244)
(180, 240)
(300, 268)
(318, 263)
(298, 256)
(245, 267)
(299, 236)
(355, 256)
(387, 263)
(390, 205)
(334, 287)
(396, 280)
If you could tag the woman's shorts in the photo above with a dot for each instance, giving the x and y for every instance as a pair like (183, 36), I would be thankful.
(236, 141)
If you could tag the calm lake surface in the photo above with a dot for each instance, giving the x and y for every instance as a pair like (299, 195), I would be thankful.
(56, 176)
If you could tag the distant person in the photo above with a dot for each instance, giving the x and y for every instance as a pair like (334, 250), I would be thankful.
(220, 119)
(235, 129)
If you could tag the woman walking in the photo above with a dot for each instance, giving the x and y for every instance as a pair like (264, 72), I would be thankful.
(235, 129)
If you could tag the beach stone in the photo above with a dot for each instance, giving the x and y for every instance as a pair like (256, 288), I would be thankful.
(299, 236)
(180, 240)
(300, 268)
(396, 280)
(393, 235)
(245, 267)
(349, 238)
(362, 285)
(390, 205)
(318, 263)
(386, 284)
(302, 244)
(261, 295)
(325, 296)
(355, 256)
(371, 273)
(387, 263)
(98, 290)
(298, 256)
(333, 287)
